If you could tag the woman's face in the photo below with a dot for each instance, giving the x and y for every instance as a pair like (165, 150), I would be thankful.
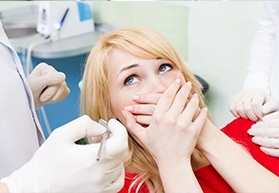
(130, 76)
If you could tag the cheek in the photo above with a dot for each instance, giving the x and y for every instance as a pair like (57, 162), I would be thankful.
(118, 101)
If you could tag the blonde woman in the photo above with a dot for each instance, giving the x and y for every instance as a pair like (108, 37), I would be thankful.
(133, 74)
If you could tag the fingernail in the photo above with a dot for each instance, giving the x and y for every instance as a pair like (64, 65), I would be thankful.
(195, 94)
(189, 83)
(128, 108)
(136, 97)
(178, 80)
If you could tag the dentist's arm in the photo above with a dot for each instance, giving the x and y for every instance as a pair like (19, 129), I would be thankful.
(254, 101)
(60, 165)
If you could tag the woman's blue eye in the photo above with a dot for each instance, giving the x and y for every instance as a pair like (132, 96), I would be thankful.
(130, 80)
(164, 68)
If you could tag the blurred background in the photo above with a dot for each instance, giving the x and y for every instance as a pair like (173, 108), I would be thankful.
(213, 37)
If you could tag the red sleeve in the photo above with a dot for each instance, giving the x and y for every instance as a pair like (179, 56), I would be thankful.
(125, 187)
(237, 130)
(129, 178)
(211, 181)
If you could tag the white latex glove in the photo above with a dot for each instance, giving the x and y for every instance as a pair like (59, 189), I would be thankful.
(60, 165)
(252, 103)
(266, 134)
(47, 85)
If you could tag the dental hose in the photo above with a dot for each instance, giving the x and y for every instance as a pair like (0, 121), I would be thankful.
(29, 68)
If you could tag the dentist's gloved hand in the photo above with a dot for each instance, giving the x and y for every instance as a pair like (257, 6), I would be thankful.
(252, 103)
(266, 134)
(47, 85)
(60, 165)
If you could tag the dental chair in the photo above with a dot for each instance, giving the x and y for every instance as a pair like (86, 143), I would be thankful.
(205, 85)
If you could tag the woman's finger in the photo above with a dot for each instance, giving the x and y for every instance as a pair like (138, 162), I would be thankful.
(199, 121)
(133, 126)
(167, 98)
(180, 100)
(188, 114)
(147, 98)
(141, 109)
(143, 120)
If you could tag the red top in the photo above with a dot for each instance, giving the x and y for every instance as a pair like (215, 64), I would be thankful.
(209, 179)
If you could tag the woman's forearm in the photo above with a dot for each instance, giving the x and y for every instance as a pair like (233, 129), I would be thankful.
(234, 164)
(179, 177)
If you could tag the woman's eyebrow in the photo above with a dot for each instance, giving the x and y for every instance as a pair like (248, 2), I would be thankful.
(127, 68)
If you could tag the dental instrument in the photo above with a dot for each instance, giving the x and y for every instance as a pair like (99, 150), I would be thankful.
(62, 20)
(105, 136)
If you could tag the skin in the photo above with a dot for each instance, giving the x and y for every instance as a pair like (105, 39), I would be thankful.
(149, 79)
(152, 93)
(130, 76)
(243, 174)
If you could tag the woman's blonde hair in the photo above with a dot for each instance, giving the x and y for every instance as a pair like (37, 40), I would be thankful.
(143, 43)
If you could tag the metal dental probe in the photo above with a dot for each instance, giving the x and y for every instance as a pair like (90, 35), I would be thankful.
(104, 138)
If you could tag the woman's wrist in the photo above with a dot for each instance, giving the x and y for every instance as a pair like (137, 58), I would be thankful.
(179, 177)
(209, 135)
(172, 166)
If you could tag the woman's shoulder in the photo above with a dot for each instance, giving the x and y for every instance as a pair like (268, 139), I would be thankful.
(237, 129)
(239, 123)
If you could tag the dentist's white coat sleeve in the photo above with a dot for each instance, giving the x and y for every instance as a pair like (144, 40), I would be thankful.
(263, 63)
(20, 131)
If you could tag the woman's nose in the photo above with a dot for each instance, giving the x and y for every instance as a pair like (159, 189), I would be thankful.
(157, 85)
